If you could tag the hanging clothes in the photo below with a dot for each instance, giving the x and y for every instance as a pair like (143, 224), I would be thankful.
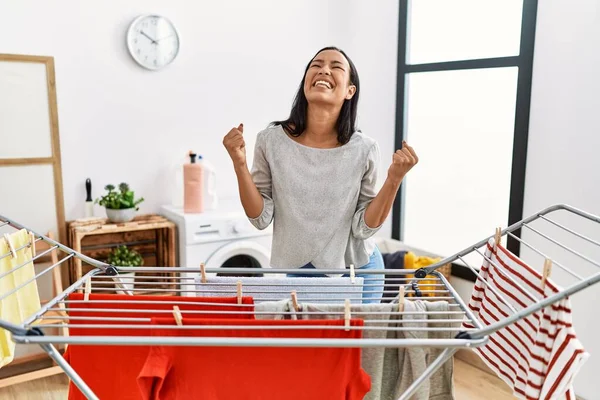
(403, 259)
(252, 373)
(25, 301)
(111, 370)
(393, 369)
(317, 289)
(393, 260)
(538, 356)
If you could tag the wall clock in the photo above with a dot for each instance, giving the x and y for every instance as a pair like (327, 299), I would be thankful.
(153, 41)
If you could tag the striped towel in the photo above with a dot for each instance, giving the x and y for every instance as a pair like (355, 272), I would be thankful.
(539, 356)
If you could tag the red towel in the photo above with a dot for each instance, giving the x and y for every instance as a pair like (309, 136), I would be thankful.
(265, 373)
(111, 370)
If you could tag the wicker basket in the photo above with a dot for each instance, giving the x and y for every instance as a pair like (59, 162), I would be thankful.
(426, 284)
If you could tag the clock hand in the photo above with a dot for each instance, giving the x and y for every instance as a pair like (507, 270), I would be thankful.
(166, 37)
(152, 40)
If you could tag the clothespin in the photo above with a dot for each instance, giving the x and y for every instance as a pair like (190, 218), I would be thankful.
(32, 244)
(11, 248)
(295, 301)
(546, 272)
(88, 289)
(401, 299)
(497, 238)
(203, 273)
(177, 315)
(239, 292)
(352, 274)
(347, 314)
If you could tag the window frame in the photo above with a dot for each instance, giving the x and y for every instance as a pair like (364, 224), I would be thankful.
(524, 62)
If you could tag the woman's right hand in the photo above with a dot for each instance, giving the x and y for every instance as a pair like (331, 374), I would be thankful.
(236, 146)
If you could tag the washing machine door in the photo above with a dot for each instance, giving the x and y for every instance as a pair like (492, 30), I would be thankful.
(240, 254)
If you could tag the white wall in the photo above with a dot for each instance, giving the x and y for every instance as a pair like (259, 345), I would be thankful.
(563, 165)
(240, 61)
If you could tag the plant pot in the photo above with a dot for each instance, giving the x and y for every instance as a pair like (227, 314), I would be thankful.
(128, 281)
(121, 215)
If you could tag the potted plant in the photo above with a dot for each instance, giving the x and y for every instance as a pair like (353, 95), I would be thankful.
(125, 257)
(120, 204)
(122, 256)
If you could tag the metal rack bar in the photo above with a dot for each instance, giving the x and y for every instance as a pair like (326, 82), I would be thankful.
(251, 327)
(480, 279)
(554, 262)
(434, 366)
(74, 376)
(570, 250)
(277, 271)
(10, 271)
(246, 341)
(579, 235)
(30, 332)
(17, 248)
(4, 296)
(89, 260)
(508, 276)
(516, 226)
(538, 306)
(237, 312)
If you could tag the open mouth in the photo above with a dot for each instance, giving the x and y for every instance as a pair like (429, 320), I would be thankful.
(324, 84)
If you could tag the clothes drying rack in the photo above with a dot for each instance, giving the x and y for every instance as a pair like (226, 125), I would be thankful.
(549, 227)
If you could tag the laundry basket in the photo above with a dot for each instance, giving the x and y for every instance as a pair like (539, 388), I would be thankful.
(414, 259)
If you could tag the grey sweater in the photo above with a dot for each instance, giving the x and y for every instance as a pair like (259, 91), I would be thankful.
(316, 199)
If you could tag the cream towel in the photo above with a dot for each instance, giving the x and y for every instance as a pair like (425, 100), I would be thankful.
(24, 302)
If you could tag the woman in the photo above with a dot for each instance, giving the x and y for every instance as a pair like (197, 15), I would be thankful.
(314, 174)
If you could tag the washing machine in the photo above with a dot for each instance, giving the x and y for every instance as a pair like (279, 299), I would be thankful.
(219, 239)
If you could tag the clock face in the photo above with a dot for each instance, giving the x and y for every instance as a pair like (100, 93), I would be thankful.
(152, 41)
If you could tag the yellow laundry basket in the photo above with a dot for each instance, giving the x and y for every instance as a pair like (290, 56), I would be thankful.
(413, 261)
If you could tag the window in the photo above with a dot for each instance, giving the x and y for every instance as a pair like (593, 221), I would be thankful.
(464, 83)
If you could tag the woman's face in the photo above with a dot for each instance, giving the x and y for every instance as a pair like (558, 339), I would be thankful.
(327, 79)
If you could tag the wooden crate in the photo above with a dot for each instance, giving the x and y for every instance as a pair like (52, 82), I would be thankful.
(153, 236)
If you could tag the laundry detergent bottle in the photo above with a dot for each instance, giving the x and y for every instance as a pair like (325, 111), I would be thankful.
(193, 186)
(209, 191)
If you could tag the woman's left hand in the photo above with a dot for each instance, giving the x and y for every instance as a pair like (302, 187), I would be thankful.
(402, 161)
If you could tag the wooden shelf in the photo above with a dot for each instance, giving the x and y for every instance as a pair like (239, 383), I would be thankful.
(153, 236)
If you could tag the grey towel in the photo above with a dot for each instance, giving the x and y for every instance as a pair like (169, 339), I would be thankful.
(402, 366)
(314, 290)
(275, 310)
(392, 370)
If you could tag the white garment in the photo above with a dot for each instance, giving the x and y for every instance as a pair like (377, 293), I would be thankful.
(309, 289)
(537, 356)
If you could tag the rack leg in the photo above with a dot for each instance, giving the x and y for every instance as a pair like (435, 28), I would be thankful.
(56, 356)
(438, 362)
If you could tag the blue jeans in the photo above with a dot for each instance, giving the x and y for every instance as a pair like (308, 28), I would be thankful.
(373, 283)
